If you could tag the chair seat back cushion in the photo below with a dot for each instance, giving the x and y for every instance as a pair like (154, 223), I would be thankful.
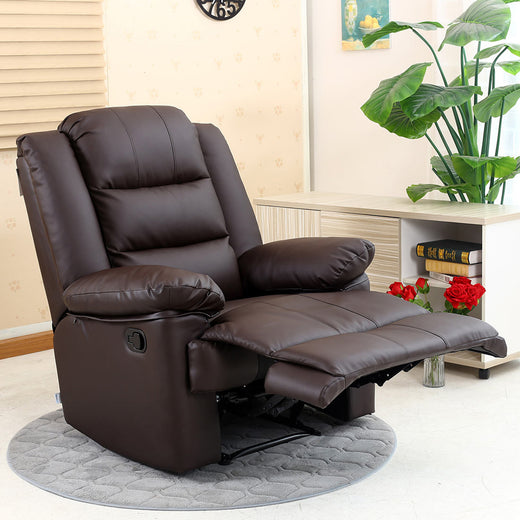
(152, 192)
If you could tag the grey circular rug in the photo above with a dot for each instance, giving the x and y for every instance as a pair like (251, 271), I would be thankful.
(55, 457)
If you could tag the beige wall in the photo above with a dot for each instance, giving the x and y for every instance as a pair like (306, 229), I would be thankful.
(22, 299)
(350, 152)
(245, 75)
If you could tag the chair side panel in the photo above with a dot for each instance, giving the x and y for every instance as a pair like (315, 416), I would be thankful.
(63, 221)
(238, 213)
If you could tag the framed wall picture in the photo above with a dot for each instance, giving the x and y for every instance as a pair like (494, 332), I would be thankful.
(360, 17)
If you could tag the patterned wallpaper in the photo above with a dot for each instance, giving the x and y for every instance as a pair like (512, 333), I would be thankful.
(244, 75)
(22, 299)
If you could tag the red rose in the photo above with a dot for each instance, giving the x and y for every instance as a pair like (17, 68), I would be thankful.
(396, 289)
(475, 293)
(422, 285)
(460, 280)
(409, 293)
(478, 290)
(458, 294)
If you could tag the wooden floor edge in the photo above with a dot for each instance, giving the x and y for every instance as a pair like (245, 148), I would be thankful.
(28, 344)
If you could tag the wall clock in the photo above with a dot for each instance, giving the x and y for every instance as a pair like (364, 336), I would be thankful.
(221, 9)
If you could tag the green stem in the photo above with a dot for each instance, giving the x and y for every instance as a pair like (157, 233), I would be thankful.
(486, 135)
(435, 57)
(441, 157)
(468, 131)
(458, 123)
(448, 169)
(491, 84)
(486, 138)
(485, 152)
(450, 195)
(475, 96)
(462, 68)
(443, 140)
(453, 133)
(492, 181)
(443, 76)
(465, 110)
(500, 127)
(482, 184)
(503, 193)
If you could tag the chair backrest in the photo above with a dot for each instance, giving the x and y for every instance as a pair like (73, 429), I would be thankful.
(134, 185)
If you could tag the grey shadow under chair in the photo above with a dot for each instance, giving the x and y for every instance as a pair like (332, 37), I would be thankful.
(169, 313)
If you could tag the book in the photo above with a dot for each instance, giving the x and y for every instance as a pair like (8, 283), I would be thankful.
(453, 268)
(447, 278)
(451, 251)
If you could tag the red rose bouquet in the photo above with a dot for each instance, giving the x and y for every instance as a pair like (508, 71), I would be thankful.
(462, 295)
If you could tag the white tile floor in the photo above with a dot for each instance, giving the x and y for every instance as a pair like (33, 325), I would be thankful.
(457, 457)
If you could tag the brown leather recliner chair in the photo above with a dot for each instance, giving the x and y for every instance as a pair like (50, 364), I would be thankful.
(164, 302)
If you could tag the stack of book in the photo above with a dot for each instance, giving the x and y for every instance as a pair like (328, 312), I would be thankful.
(448, 258)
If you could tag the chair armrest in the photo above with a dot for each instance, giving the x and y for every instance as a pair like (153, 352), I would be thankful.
(143, 289)
(305, 264)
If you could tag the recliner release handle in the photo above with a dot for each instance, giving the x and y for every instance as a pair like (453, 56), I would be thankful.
(135, 340)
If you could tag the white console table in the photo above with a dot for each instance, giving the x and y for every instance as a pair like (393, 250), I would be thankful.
(395, 225)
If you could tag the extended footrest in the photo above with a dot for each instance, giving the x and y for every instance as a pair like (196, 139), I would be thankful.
(322, 343)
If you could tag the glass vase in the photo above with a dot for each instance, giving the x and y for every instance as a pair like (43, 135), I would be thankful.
(434, 372)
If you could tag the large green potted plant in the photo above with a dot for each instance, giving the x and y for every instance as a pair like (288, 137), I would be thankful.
(461, 112)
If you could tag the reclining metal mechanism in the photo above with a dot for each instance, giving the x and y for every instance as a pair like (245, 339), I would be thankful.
(243, 402)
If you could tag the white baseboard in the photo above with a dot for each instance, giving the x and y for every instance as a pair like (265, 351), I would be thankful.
(24, 330)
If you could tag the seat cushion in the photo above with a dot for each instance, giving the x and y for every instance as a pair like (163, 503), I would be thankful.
(269, 324)
(324, 342)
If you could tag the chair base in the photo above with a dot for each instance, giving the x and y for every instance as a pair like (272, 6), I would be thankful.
(137, 404)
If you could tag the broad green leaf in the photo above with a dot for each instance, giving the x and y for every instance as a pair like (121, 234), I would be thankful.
(429, 97)
(395, 27)
(446, 175)
(491, 106)
(417, 191)
(494, 190)
(511, 67)
(502, 167)
(469, 168)
(445, 178)
(473, 192)
(484, 20)
(495, 49)
(399, 123)
(393, 90)
(470, 160)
